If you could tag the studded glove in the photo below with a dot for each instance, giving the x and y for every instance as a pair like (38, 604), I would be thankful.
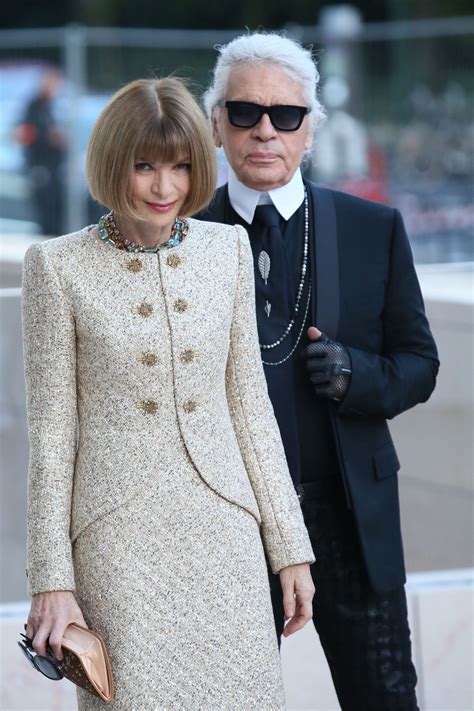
(329, 367)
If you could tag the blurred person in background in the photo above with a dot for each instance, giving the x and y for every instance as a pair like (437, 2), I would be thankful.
(156, 464)
(44, 148)
(345, 345)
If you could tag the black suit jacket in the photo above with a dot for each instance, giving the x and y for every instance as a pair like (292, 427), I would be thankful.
(367, 297)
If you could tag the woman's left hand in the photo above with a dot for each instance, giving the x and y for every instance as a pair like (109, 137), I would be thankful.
(298, 591)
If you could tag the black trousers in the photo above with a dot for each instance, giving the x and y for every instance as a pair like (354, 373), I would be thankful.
(365, 635)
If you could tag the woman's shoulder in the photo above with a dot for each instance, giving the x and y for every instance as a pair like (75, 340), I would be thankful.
(59, 248)
(229, 236)
(216, 228)
(56, 245)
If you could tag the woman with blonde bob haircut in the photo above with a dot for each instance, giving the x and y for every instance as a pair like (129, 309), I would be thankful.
(157, 475)
(153, 118)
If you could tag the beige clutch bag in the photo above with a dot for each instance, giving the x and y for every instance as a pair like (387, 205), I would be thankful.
(86, 662)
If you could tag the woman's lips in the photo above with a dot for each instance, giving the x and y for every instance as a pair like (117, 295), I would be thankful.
(161, 207)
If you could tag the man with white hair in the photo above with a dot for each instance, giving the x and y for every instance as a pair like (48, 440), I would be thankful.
(345, 345)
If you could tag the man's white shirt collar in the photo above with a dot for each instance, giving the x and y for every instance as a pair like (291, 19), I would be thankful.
(286, 199)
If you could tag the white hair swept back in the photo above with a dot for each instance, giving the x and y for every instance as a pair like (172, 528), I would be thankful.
(259, 47)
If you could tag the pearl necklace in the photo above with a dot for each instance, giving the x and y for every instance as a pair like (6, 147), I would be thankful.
(110, 233)
(304, 267)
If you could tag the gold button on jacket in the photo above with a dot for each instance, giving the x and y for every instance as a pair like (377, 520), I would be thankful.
(190, 406)
(187, 356)
(149, 407)
(144, 309)
(147, 358)
(133, 265)
(174, 260)
(180, 306)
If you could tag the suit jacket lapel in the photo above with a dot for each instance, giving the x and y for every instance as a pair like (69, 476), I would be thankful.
(324, 261)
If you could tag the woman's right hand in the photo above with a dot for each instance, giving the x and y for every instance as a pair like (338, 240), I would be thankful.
(50, 614)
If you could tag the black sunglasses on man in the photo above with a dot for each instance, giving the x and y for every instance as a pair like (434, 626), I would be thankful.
(246, 114)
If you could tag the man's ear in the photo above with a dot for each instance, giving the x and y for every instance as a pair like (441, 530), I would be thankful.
(309, 138)
(215, 130)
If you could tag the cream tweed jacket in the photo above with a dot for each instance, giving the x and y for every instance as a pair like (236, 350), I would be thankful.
(92, 369)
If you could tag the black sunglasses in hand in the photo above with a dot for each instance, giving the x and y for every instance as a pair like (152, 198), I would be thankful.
(48, 665)
(245, 114)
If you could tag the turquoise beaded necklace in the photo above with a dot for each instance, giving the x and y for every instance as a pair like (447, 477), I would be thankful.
(110, 233)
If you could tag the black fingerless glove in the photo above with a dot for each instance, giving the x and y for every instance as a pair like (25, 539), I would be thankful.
(329, 366)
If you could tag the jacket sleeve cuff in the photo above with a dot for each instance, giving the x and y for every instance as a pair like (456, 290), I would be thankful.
(40, 579)
(292, 548)
(359, 389)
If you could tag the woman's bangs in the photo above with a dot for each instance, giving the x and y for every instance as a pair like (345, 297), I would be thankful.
(163, 141)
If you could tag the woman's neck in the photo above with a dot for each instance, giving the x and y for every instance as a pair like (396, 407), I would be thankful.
(143, 232)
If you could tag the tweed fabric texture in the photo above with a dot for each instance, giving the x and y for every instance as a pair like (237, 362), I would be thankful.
(154, 450)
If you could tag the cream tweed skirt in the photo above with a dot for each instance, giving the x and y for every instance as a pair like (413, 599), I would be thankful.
(182, 601)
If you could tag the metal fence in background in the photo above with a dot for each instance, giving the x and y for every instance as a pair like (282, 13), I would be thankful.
(398, 95)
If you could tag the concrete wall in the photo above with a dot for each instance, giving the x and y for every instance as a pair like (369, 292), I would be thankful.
(435, 440)
(13, 453)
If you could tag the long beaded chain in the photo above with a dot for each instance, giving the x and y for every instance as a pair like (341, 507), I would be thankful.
(287, 357)
(304, 266)
(110, 233)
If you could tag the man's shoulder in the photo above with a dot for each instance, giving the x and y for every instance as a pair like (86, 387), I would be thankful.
(346, 202)
(215, 211)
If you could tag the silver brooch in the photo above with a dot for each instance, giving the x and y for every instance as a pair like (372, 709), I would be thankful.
(264, 264)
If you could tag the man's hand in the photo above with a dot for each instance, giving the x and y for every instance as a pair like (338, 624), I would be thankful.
(50, 614)
(298, 591)
(328, 364)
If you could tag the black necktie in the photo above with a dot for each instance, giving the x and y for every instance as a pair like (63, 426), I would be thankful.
(273, 282)
(275, 304)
